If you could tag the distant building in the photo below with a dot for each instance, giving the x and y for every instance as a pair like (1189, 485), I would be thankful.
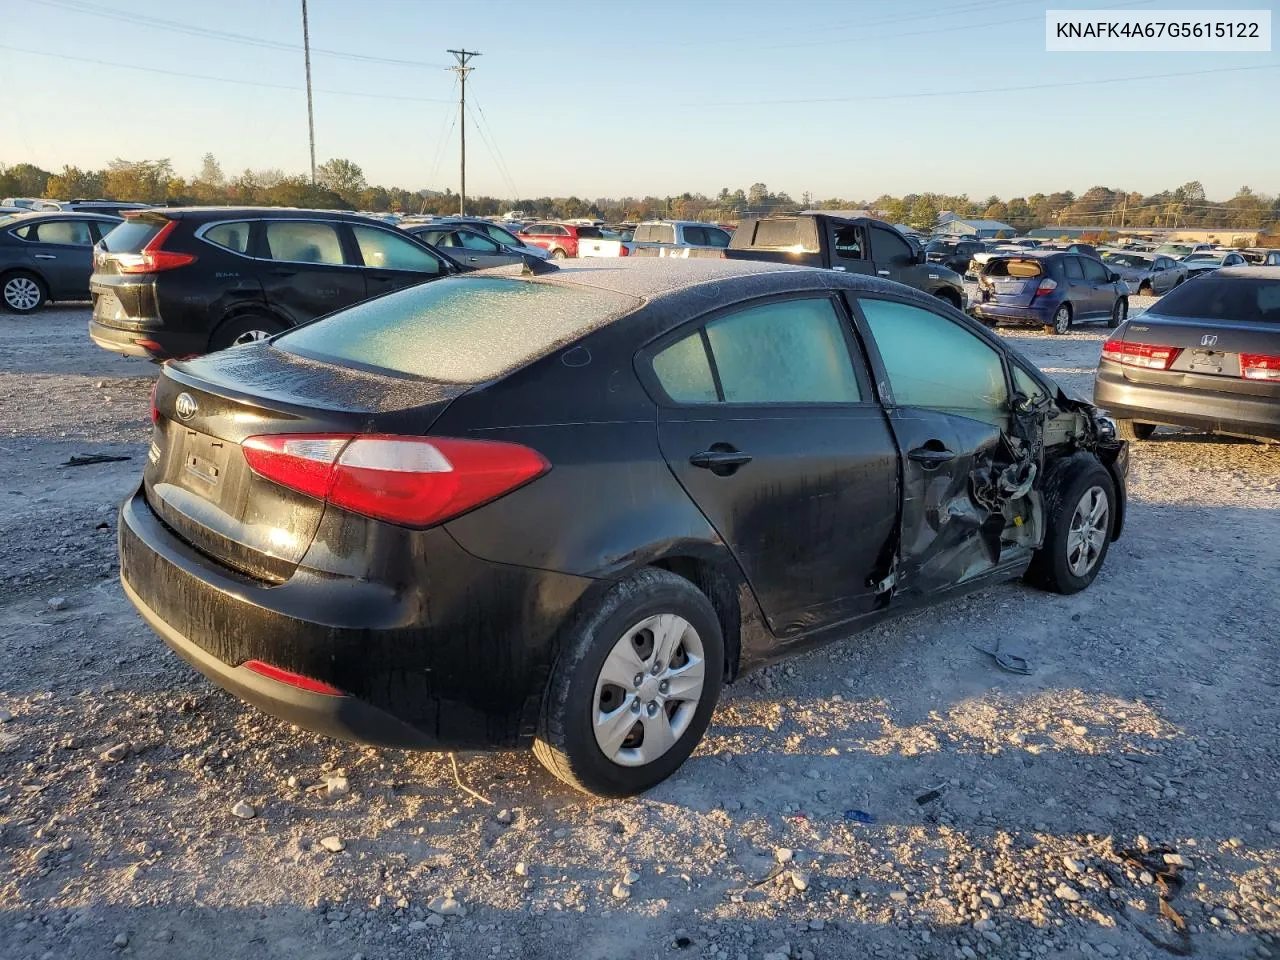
(951, 225)
(844, 214)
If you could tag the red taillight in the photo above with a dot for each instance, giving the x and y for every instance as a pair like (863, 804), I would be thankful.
(292, 679)
(155, 411)
(152, 259)
(1047, 286)
(413, 481)
(1148, 355)
(623, 251)
(1260, 366)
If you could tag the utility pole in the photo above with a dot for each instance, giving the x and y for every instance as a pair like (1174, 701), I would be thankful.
(463, 56)
(311, 117)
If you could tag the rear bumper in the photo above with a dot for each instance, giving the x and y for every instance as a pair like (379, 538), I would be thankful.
(158, 343)
(450, 654)
(1178, 406)
(988, 310)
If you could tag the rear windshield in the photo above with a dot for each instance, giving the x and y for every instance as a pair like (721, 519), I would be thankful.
(458, 330)
(1014, 268)
(131, 236)
(1247, 299)
(1173, 249)
(1127, 260)
(591, 233)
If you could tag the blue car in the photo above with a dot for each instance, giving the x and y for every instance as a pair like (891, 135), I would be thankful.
(1054, 289)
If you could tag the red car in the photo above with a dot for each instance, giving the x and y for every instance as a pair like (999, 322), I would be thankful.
(558, 239)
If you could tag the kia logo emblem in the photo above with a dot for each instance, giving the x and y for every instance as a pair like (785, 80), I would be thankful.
(185, 406)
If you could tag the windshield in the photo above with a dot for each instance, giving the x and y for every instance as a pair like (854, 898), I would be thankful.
(1213, 297)
(1173, 249)
(458, 330)
(1127, 260)
(1198, 257)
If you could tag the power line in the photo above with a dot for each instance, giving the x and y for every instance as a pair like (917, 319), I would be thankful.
(201, 76)
(486, 129)
(175, 26)
(1099, 81)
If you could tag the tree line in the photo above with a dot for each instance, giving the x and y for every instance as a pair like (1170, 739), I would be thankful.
(341, 184)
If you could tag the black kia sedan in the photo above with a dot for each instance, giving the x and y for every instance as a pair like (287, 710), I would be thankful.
(1205, 357)
(48, 256)
(177, 282)
(563, 508)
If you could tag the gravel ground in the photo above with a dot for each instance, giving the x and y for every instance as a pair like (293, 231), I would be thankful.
(893, 795)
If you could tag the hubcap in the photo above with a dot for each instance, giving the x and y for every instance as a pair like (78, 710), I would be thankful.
(648, 690)
(22, 293)
(1088, 531)
(249, 336)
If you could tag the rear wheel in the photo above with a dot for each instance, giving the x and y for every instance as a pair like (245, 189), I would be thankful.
(1061, 321)
(558, 254)
(1119, 310)
(1134, 430)
(1079, 504)
(23, 292)
(634, 687)
(242, 330)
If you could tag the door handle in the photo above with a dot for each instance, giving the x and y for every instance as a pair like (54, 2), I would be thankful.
(883, 273)
(717, 460)
(931, 457)
(45, 256)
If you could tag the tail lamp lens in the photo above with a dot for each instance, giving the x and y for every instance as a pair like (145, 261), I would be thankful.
(1150, 356)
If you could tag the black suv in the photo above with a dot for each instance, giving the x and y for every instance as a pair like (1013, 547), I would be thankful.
(175, 282)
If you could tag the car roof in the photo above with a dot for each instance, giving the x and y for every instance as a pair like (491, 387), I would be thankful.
(1254, 272)
(227, 213)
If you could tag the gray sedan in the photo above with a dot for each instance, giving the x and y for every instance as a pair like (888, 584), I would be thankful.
(48, 256)
(468, 247)
(1146, 274)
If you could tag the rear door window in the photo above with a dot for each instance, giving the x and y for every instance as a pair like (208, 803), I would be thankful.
(850, 242)
(786, 351)
(303, 241)
(74, 233)
(383, 249)
(233, 236)
(934, 363)
(1094, 271)
(695, 236)
(473, 241)
(1073, 268)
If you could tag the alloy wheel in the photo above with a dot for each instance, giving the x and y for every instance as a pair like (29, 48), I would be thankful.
(250, 336)
(1062, 320)
(22, 293)
(648, 690)
(1088, 531)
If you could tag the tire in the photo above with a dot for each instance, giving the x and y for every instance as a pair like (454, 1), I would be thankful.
(1134, 430)
(1119, 312)
(948, 296)
(22, 292)
(1061, 321)
(1146, 290)
(578, 694)
(1065, 563)
(558, 254)
(244, 329)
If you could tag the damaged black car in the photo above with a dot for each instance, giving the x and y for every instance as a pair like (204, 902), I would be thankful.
(562, 507)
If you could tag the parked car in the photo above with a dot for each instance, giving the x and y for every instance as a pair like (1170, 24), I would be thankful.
(998, 248)
(114, 208)
(469, 247)
(1179, 250)
(1206, 356)
(860, 245)
(1053, 289)
(1087, 249)
(1146, 275)
(677, 238)
(560, 240)
(424, 548)
(1205, 261)
(23, 203)
(955, 255)
(1262, 256)
(174, 281)
(490, 229)
(48, 256)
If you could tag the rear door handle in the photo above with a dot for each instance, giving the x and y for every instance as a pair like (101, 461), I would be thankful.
(45, 256)
(883, 273)
(930, 458)
(711, 459)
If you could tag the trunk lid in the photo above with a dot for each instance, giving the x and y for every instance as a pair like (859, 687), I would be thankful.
(1012, 281)
(197, 480)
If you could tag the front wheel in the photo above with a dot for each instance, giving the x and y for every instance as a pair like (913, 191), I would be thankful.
(1079, 505)
(634, 687)
(23, 292)
(1119, 311)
